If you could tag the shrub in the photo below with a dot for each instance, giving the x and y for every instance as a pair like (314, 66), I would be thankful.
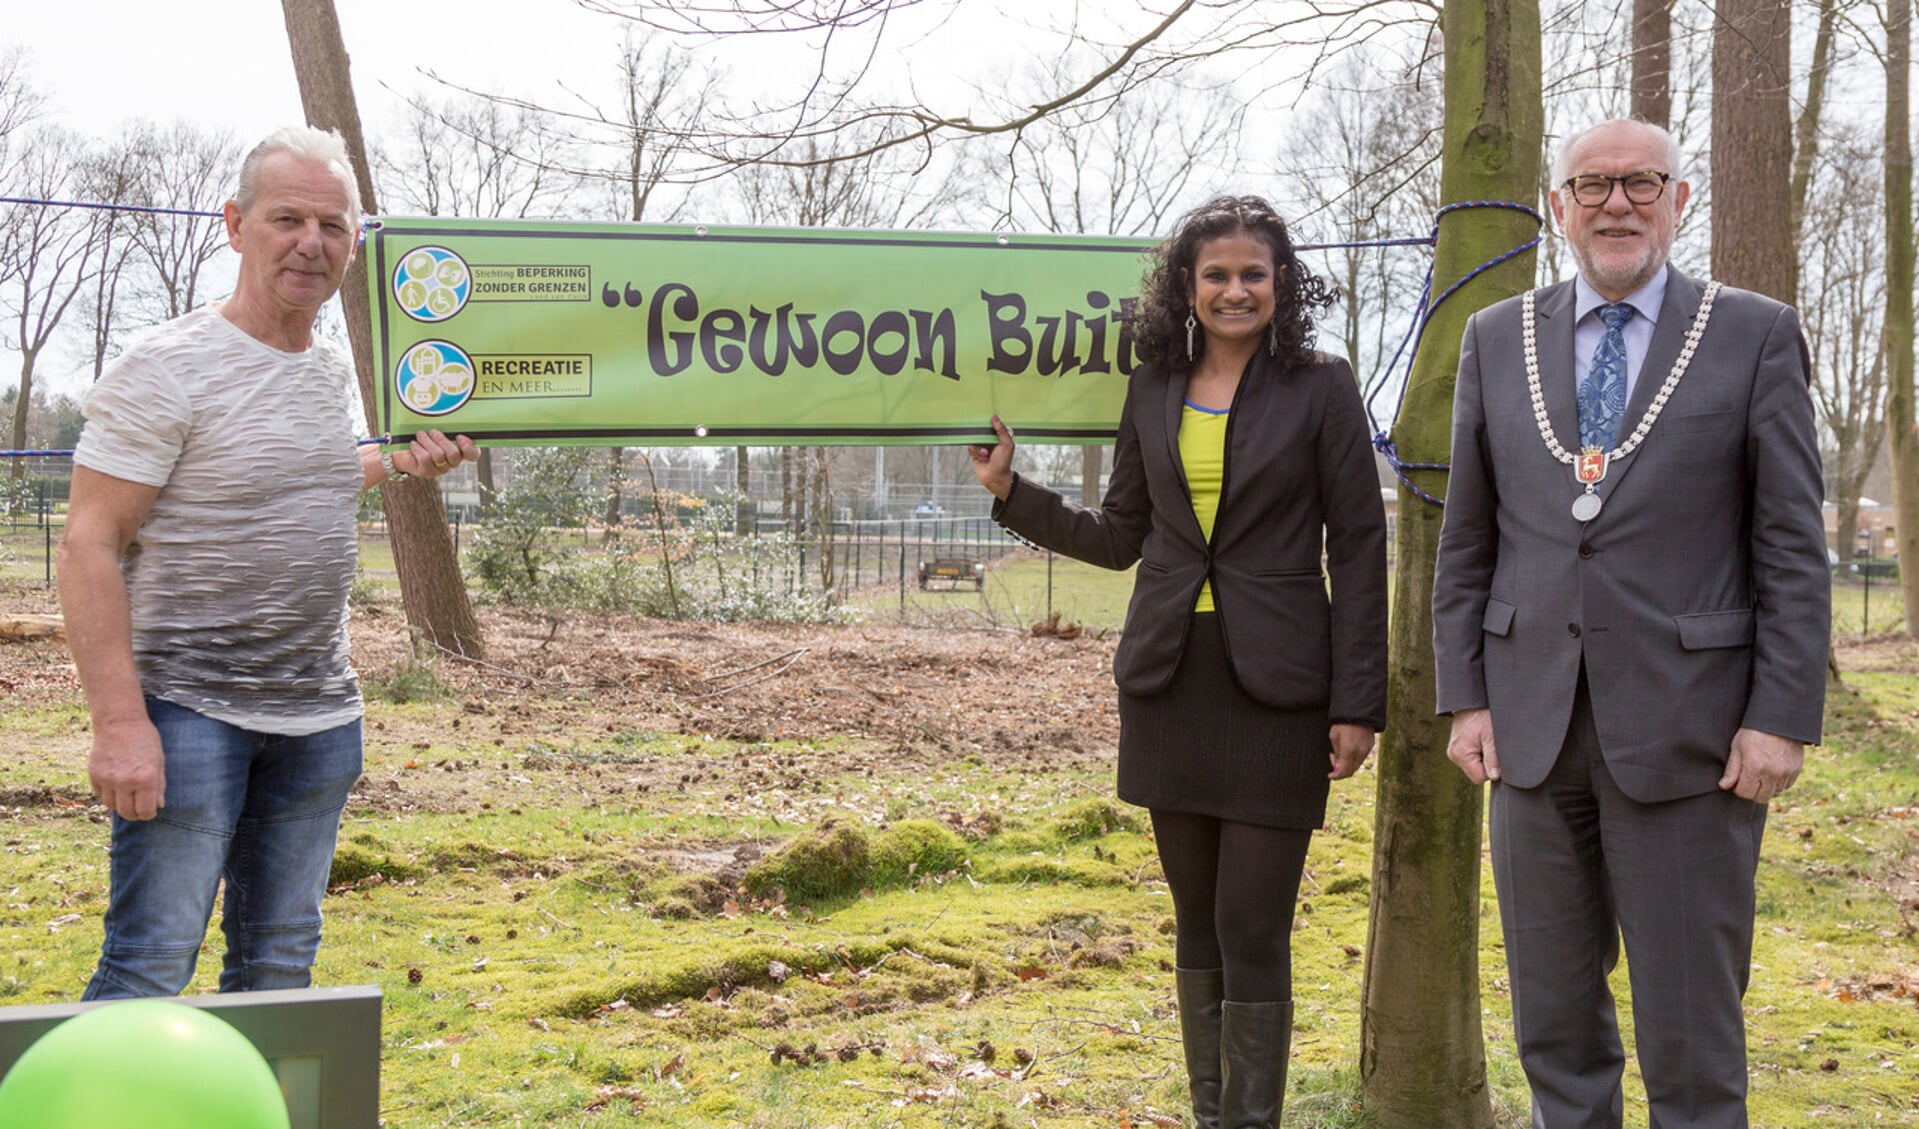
(514, 553)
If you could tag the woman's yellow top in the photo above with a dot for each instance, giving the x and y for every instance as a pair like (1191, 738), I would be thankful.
(1202, 452)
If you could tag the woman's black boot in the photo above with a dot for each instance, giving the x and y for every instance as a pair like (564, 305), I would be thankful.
(1199, 991)
(1255, 1041)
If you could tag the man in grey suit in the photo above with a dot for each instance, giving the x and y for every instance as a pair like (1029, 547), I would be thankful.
(1632, 596)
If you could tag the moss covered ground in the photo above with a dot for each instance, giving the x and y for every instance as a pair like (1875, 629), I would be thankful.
(607, 902)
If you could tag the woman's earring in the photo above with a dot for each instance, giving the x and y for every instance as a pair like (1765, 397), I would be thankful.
(1190, 323)
(1272, 337)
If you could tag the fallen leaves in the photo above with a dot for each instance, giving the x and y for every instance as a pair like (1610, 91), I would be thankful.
(1899, 986)
(607, 1095)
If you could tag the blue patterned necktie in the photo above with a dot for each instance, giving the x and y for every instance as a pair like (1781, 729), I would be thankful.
(1602, 395)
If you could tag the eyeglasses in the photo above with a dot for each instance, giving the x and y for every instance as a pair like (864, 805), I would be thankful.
(1594, 189)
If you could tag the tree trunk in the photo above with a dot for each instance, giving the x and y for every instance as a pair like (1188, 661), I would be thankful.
(789, 504)
(615, 487)
(1090, 457)
(819, 482)
(1805, 145)
(1422, 1058)
(483, 471)
(746, 517)
(1846, 534)
(1899, 268)
(1652, 61)
(430, 584)
(1752, 148)
(23, 403)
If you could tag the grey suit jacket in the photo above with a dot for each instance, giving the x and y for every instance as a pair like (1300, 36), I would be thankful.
(1298, 477)
(1698, 600)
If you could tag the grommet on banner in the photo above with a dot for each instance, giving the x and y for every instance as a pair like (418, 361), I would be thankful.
(700, 431)
(700, 230)
(1003, 241)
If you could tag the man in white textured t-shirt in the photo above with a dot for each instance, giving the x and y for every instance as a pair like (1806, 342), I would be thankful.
(210, 545)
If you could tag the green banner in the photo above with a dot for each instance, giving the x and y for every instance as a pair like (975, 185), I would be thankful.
(522, 333)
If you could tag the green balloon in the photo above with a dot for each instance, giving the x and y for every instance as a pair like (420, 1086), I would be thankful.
(150, 1064)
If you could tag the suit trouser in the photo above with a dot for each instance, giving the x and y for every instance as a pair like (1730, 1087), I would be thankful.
(1577, 863)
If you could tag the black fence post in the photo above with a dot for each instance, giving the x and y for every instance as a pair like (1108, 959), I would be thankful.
(1865, 628)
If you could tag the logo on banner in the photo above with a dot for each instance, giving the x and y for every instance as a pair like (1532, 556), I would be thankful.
(435, 378)
(432, 284)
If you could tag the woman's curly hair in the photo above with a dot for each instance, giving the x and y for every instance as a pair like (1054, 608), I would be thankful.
(1159, 318)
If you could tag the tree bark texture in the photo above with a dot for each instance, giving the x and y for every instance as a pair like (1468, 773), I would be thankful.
(1752, 148)
(1652, 61)
(23, 402)
(1090, 457)
(746, 517)
(1422, 1052)
(615, 488)
(431, 587)
(1900, 431)
(1805, 144)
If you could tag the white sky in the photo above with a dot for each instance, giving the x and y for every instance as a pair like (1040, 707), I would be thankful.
(226, 62)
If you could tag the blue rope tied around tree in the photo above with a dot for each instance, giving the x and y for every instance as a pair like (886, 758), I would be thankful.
(1422, 314)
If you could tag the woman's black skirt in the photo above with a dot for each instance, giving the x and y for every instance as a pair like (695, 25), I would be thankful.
(1202, 745)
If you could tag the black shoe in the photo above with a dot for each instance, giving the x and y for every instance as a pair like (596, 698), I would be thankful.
(1199, 991)
(1255, 1041)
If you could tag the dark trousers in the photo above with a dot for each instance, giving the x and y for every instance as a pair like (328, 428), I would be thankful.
(1578, 864)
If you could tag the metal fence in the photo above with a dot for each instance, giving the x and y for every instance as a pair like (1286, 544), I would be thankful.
(31, 521)
(1867, 598)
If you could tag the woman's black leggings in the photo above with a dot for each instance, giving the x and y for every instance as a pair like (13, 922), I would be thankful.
(1234, 886)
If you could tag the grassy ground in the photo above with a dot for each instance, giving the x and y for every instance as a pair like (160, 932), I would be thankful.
(24, 552)
(584, 917)
(1862, 609)
(1020, 589)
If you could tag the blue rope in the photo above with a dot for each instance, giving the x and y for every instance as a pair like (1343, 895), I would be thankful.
(1422, 314)
(1409, 241)
(109, 207)
(365, 221)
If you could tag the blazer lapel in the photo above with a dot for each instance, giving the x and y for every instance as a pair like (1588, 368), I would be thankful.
(1668, 337)
(1171, 414)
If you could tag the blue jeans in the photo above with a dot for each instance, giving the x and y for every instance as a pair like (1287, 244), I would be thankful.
(259, 810)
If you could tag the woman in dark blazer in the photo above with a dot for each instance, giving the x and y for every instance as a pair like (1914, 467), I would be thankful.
(1242, 462)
